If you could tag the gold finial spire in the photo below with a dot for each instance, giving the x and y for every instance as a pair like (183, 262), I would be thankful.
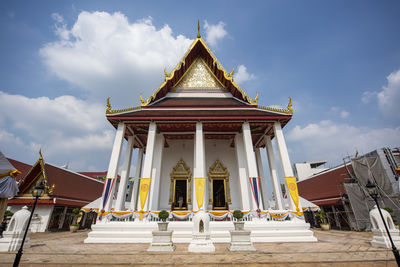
(166, 73)
(198, 28)
(40, 153)
(290, 105)
(108, 106)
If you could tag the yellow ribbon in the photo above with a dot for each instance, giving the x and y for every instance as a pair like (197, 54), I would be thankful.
(141, 212)
(181, 213)
(218, 213)
(278, 216)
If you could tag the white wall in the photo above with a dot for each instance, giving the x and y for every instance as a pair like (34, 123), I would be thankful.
(305, 171)
(184, 149)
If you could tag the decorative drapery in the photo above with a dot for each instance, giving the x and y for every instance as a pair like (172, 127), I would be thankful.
(216, 215)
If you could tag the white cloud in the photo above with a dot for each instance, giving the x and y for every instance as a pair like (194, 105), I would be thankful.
(389, 97)
(242, 75)
(57, 17)
(340, 111)
(344, 114)
(67, 128)
(214, 33)
(367, 96)
(106, 55)
(331, 141)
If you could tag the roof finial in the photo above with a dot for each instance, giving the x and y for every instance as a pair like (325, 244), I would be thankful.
(198, 29)
(40, 153)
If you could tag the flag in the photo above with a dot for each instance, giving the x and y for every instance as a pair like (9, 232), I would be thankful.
(294, 193)
(199, 185)
(109, 183)
(144, 190)
(255, 189)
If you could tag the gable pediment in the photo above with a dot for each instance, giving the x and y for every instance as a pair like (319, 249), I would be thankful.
(206, 75)
(198, 78)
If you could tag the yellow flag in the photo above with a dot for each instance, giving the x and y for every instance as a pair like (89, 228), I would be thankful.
(144, 190)
(292, 186)
(199, 184)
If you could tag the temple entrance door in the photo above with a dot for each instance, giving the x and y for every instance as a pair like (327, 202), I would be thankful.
(219, 193)
(179, 194)
(180, 197)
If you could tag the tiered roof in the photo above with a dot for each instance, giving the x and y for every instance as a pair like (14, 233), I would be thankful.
(198, 88)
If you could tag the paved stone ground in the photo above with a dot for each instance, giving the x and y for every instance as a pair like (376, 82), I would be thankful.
(334, 248)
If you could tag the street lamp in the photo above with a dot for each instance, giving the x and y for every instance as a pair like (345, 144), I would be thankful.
(37, 192)
(373, 192)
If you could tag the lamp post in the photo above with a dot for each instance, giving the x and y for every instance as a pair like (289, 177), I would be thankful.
(37, 192)
(373, 192)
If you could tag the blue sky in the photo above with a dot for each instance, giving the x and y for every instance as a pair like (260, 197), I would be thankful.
(339, 60)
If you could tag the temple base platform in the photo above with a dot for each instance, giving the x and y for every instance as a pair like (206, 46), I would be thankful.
(141, 231)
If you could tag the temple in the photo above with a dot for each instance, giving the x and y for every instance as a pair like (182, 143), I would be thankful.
(199, 139)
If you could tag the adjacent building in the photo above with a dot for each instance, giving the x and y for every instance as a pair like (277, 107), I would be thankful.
(64, 191)
(340, 191)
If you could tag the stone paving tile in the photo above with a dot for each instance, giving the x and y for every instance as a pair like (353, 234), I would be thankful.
(334, 248)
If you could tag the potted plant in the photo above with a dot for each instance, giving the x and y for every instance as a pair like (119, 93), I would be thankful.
(163, 224)
(239, 224)
(76, 213)
(323, 220)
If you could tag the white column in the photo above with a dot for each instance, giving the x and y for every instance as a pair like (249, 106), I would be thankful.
(136, 181)
(250, 158)
(126, 167)
(156, 172)
(273, 173)
(263, 182)
(148, 161)
(242, 171)
(114, 161)
(199, 170)
(285, 161)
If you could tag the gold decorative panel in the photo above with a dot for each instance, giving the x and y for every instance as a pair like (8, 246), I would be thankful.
(198, 77)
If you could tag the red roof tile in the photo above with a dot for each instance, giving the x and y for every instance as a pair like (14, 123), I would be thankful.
(72, 185)
(325, 186)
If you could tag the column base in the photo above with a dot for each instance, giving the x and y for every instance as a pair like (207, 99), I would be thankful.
(201, 243)
(240, 241)
(162, 241)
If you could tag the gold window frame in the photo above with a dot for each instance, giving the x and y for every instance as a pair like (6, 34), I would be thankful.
(180, 172)
(218, 172)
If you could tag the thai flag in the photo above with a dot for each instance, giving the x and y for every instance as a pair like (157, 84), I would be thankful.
(255, 189)
(106, 192)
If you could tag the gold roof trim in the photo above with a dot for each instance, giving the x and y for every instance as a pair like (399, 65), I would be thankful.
(228, 76)
(109, 111)
(288, 110)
